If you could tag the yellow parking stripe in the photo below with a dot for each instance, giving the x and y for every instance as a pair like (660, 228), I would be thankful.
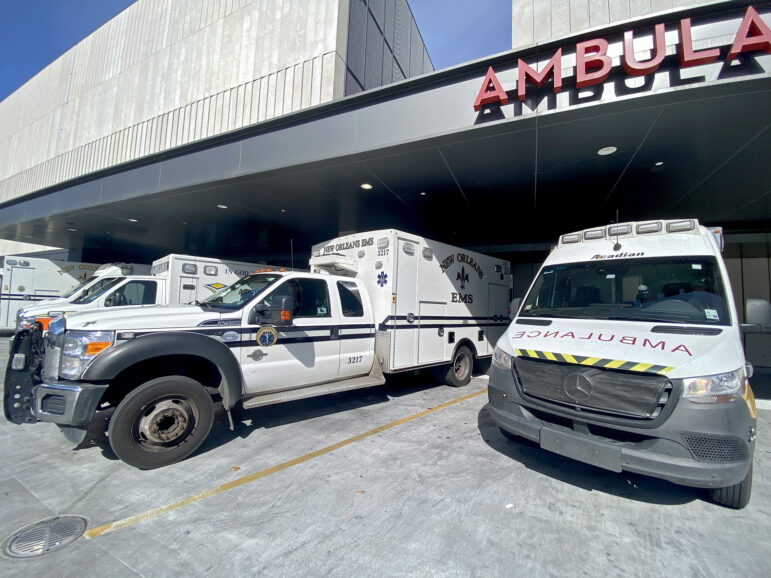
(613, 364)
(550, 355)
(532, 353)
(666, 370)
(154, 513)
(569, 358)
(590, 361)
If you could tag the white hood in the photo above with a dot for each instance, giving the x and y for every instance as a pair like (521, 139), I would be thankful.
(682, 354)
(42, 308)
(141, 317)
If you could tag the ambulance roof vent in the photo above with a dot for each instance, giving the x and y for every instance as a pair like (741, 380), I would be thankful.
(335, 264)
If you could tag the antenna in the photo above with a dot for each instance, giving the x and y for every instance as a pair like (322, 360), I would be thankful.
(291, 251)
(617, 246)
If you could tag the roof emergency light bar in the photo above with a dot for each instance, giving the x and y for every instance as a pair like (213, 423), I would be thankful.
(620, 230)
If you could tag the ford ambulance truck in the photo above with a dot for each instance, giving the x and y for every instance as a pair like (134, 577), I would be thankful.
(170, 280)
(398, 302)
(627, 354)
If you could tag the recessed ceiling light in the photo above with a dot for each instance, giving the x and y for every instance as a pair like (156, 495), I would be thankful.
(283, 210)
(71, 229)
(133, 220)
(659, 163)
(366, 186)
(605, 151)
(423, 193)
(222, 206)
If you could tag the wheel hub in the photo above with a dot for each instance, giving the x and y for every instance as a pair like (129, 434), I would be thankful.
(166, 421)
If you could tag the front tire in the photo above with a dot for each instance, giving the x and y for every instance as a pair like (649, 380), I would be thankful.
(458, 373)
(161, 422)
(736, 496)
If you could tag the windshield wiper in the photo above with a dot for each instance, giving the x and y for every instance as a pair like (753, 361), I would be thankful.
(640, 318)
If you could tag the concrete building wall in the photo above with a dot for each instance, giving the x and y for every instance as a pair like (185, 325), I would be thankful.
(539, 21)
(164, 73)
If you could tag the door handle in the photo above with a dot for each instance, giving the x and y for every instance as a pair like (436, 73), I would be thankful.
(334, 333)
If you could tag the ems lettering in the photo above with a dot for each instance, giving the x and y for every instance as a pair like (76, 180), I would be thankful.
(461, 298)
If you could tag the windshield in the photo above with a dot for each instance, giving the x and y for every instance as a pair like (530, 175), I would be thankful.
(78, 287)
(99, 288)
(242, 291)
(95, 287)
(666, 289)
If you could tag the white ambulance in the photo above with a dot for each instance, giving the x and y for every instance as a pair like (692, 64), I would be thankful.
(627, 354)
(29, 280)
(173, 279)
(433, 303)
(403, 302)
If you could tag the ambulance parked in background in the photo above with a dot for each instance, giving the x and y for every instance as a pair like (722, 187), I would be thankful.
(28, 280)
(627, 354)
(175, 279)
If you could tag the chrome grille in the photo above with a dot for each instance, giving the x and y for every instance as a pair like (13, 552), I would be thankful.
(600, 390)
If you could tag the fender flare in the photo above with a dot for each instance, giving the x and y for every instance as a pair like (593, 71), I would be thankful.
(116, 359)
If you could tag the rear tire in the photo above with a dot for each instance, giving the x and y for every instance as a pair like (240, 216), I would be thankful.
(458, 373)
(736, 496)
(161, 422)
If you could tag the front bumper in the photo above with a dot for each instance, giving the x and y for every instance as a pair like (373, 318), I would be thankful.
(689, 448)
(66, 403)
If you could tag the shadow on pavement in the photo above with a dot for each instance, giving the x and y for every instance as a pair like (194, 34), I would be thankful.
(625, 484)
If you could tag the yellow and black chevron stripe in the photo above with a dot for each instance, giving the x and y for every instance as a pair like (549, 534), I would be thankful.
(595, 361)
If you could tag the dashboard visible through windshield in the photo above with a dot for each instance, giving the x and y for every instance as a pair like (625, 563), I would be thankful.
(666, 289)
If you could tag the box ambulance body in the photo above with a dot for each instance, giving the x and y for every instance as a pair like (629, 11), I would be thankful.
(428, 297)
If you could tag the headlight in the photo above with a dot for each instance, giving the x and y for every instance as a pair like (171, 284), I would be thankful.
(716, 388)
(501, 359)
(79, 350)
(24, 321)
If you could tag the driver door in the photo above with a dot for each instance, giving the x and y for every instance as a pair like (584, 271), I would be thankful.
(304, 353)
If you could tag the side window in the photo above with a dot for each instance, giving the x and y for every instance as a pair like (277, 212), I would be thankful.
(135, 293)
(350, 300)
(311, 298)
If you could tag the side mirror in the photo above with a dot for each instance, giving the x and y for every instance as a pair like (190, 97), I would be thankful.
(758, 316)
(279, 313)
(514, 307)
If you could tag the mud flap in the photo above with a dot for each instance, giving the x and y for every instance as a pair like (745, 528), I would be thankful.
(19, 383)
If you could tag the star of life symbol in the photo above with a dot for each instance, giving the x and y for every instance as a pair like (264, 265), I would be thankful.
(382, 278)
(462, 277)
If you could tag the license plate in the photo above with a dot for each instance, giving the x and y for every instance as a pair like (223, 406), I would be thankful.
(582, 449)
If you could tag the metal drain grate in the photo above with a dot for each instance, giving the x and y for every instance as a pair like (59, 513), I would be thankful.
(44, 536)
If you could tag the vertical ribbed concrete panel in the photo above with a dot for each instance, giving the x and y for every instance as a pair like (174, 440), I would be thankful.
(539, 21)
(164, 73)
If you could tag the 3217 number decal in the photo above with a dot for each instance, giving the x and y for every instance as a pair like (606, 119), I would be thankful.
(355, 359)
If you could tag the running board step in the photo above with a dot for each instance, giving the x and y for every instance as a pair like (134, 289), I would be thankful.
(314, 390)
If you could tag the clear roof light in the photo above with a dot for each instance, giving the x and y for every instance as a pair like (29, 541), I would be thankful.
(572, 238)
(594, 234)
(678, 226)
(648, 228)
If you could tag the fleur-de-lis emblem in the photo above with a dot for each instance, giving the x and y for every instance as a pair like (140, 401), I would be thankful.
(462, 277)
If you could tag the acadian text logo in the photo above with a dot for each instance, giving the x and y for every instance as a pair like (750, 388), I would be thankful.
(617, 256)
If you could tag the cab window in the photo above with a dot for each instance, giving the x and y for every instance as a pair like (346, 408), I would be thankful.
(135, 293)
(350, 300)
(311, 297)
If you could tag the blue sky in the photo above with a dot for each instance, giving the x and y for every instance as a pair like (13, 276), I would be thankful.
(33, 33)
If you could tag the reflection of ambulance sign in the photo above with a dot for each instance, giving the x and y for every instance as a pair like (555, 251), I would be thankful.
(267, 336)
(214, 287)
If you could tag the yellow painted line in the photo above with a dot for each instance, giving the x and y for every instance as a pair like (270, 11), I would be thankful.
(154, 513)
(590, 360)
(518, 352)
(550, 355)
(532, 353)
(569, 358)
(615, 363)
(665, 370)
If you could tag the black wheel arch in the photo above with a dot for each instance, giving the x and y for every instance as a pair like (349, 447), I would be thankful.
(118, 359)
